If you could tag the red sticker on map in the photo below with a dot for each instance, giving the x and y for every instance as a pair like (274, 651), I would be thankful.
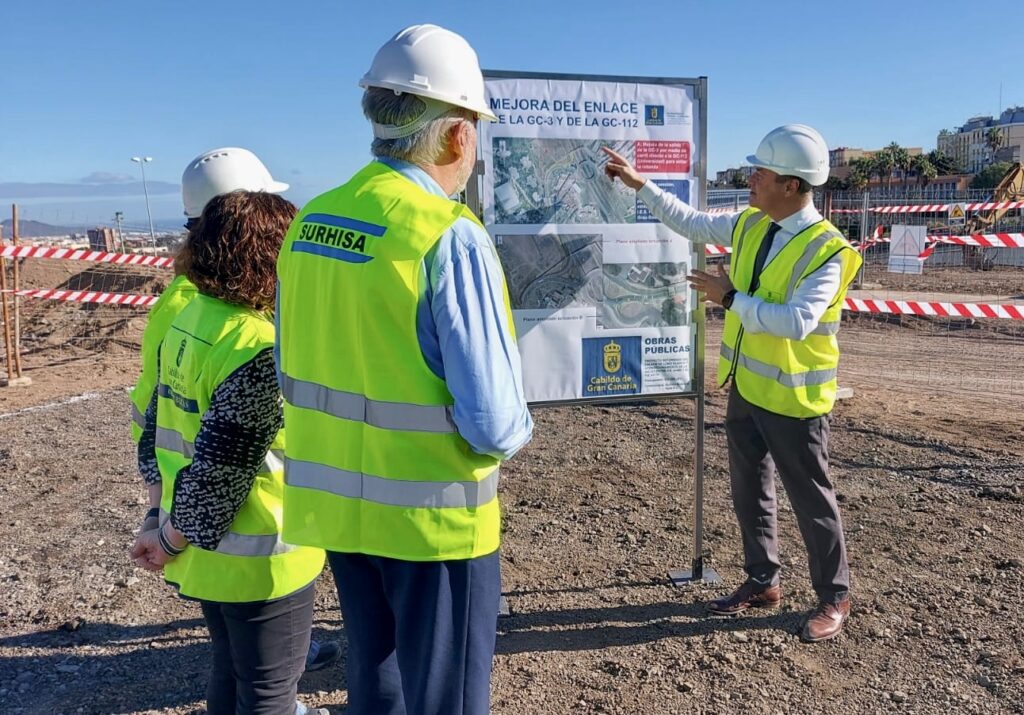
(663, 157)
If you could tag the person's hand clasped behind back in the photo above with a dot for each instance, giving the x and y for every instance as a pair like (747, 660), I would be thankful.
(147, 553)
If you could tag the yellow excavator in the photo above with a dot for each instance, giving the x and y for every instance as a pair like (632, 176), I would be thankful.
(1009, 188)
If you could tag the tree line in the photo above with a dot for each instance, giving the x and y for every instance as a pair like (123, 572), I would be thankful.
(894, 161)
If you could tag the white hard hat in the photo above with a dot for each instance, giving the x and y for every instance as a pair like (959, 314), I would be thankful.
(430, 61)
(221, 171)
(794, 150)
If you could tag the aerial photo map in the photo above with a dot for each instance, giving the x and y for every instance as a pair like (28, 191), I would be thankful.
(644, 295)
(560, 181)
(550, 272)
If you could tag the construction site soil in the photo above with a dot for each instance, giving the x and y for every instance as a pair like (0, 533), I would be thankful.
(1008, 282)
(596, 509)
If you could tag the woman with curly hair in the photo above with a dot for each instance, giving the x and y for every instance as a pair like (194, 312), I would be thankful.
(213, 439)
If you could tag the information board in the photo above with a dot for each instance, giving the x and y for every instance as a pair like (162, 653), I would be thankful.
(598, 286)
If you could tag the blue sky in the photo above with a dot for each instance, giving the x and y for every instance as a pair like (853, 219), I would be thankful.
(86, 85)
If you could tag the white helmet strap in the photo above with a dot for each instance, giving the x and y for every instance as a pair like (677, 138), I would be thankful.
(393, 131)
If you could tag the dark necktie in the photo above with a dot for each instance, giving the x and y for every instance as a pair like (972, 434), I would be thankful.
(762, 256)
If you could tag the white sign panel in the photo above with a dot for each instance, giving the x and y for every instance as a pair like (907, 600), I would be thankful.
(906, 245)
(598, 290)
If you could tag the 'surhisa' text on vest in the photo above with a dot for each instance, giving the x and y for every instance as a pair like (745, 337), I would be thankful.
(374, 463)
(171, 302)
(795, 378)
(208, 341)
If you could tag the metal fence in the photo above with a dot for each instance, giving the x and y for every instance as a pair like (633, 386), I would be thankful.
(853, 214)
(911, 350)
(62, 332)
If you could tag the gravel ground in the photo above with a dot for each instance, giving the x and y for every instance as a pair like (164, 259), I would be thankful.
(597, 508)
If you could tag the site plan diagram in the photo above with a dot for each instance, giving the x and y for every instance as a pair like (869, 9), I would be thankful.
(644, 295)
(559, 181)
(552, 271)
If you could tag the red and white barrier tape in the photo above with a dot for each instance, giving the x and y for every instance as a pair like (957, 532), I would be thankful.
(940, 208)
(875, 237)
(943, 310)
(81, 254)
(952, 310)
(985, 240)
(988, 240)
(934, 208)
(89, 296)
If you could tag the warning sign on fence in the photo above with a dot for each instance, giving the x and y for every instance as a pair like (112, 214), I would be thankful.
(957, 213)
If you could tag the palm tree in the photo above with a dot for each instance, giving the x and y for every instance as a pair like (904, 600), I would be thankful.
(900, 158)
(943, 163)
(882, 164)
(993, 140)
(861, 170)
(925, 170)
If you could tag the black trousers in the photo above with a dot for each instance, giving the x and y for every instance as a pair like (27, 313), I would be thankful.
(759, 443)
(259, 653)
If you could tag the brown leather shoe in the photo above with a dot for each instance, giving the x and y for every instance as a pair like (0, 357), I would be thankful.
(750, 594)
(825, 621)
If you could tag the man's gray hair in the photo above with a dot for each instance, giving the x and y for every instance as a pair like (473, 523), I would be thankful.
(425, 146)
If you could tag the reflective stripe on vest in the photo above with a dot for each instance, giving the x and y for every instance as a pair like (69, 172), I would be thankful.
(391, 492)
(831, 328)
(359, 408)
(235, 544)
(797, 379)
(173, 442)
(138, 418)
(805, 260)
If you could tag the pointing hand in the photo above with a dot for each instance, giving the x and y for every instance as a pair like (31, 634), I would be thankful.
(619, 166)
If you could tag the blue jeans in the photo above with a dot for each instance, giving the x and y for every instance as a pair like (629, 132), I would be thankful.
(420, 634)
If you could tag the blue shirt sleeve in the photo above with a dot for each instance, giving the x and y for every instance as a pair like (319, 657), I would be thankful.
(479, 356)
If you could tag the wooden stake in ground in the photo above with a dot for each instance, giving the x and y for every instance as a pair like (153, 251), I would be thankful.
(17, 287)
(8, 341)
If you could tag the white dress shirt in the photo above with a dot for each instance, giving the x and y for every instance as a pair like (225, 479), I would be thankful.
(794, 320)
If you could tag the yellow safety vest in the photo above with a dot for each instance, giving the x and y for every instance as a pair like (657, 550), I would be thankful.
(374, 463)
(171, 302)
(208, 341)
(795, 378)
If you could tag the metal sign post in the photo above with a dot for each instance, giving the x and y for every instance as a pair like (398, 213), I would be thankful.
(698, 571)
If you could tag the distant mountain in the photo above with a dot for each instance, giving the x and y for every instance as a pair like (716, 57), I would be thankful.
(32, 229)
(16, 190)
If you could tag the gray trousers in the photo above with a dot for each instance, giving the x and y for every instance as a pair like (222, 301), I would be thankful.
(759, 442)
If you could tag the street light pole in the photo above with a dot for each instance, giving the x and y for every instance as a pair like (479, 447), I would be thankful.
(141, 161)
(118, 218)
